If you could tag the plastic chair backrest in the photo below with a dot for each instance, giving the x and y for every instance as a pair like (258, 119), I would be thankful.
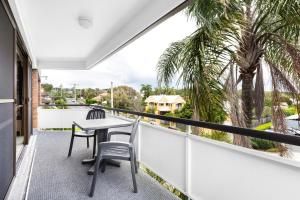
(134, 129)
(96, 114)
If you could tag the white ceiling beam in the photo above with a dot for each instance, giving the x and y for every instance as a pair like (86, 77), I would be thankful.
(62, 64)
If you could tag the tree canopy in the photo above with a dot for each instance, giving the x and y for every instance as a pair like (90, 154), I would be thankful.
(234, 41)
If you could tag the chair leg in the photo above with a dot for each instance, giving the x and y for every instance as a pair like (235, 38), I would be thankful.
(88, 142)
(98, 160)
(94, 145)
(103, 166)
(133, 172)
(135, 164)
(71, 145)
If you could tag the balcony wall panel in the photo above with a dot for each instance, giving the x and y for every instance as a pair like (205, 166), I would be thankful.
(163, 151)
(223, 171)
(60, 118)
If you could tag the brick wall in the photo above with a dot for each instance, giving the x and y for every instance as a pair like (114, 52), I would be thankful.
(36, 93)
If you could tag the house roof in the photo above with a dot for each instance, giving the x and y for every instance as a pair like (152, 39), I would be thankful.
(165, 99)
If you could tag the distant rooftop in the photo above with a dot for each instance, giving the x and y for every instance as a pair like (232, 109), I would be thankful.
(165, 99)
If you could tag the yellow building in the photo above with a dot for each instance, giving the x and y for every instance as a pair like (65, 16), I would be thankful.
(162, 104)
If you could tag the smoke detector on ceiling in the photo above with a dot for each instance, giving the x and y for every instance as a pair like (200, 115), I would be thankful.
(85, 22)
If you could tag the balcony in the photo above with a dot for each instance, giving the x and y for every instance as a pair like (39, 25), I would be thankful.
(198, 167)
(77, 35)
(54, 176)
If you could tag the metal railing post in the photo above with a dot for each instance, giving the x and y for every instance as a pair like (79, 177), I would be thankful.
(187, 160)
(139, 144)
(63, 107)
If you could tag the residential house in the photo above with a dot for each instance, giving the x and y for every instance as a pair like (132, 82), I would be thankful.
(162, 104)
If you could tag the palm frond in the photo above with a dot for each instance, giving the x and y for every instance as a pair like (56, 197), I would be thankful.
(293, 52)
(169, 62)
(236, 112)
(278, 117)
(282, 81)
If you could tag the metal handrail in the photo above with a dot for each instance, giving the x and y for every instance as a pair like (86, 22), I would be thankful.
(273, 136)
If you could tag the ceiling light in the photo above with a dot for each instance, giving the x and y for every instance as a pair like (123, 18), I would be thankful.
(85, 22)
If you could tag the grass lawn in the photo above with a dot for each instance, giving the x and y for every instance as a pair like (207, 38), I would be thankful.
(263, 127)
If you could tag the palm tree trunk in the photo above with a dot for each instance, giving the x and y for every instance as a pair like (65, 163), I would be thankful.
(249, 55)
(196, 117)
(247, 99)
(247, 106)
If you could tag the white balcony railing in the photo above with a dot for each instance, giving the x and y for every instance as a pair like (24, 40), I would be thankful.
(202, 168)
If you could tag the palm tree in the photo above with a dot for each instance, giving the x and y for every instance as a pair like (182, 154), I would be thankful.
(235, 42)
(146, 91)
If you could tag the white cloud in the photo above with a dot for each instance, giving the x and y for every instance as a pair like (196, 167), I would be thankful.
(133, 65)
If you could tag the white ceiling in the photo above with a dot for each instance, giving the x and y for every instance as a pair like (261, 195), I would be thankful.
(56, 41)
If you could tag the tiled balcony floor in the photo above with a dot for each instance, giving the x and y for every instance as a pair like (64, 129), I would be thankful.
(56, 177)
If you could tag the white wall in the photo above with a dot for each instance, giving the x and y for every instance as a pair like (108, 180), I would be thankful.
(223, 171)
(202, 168)
(212, 170)
(60, 118)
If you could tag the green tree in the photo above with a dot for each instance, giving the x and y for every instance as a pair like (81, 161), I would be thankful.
(90, 101)
(146, 91)
(186, 112)
(164, 90)
(237, 38)
(47, 87)
(126, 97)
(60, 103)
(89, 93)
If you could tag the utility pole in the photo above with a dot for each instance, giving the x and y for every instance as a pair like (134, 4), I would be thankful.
(75, 91)
(112, 96)
(61, 92)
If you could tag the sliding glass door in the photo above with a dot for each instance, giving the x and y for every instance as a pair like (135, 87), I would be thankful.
(7, 54)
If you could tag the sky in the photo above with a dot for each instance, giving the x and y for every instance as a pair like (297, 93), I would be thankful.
(134, 65)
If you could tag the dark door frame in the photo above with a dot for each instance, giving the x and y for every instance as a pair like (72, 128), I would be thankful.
(19, 48)
(24, 59)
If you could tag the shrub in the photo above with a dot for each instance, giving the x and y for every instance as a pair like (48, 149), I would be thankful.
(170, 114)
(150, 111)
(186, 112)
(262, 144)
(286, 99)
(218, 135)
(60, 103)
(273, 150)
(267, 111)
(268, 101)
(290, 111)
(90, 101)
